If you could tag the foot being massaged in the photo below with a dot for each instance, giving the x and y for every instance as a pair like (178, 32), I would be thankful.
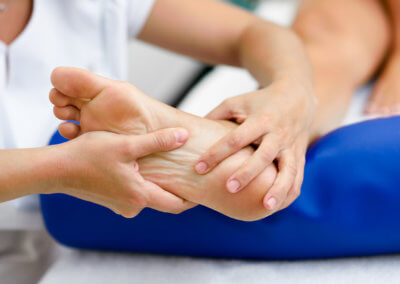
(348, 172)
(101, 104)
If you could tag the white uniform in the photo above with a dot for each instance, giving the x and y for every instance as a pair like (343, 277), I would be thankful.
(91, 34)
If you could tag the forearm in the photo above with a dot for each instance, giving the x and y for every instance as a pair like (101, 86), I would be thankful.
(219, 33)
(273, 53)
(26, 171)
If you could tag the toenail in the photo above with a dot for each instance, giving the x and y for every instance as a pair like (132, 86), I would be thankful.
(201, 167)
(271, 203)
(233, 186)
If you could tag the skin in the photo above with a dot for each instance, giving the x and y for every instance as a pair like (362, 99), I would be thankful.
(385, 98)
(98, 103)
(105, 172)
(345, 48)
(14, 20)
(99, 167)
(278, 117)
(362, 39)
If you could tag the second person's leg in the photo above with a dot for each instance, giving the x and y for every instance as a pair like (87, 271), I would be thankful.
(346, 41)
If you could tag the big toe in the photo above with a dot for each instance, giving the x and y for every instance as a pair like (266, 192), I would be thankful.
(76, 82)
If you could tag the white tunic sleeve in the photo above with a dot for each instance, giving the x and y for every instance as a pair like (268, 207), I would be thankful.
(137, 14)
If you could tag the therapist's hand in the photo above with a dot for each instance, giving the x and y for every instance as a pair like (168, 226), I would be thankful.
(277, 119)
(101, 167)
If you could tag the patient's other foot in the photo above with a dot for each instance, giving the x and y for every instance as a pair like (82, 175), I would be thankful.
(385, 98)
(345, 46)
(102, 104)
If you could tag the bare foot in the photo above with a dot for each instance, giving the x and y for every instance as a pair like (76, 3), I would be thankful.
(385, 98)
(345, 48)
(102, 104)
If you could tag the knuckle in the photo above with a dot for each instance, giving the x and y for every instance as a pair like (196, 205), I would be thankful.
(211, 157)
(265, 119)
(235, 141)
(126, 147)
(267, 155)
(162, 140)
(270, 176)
(292, 169)
(280, 132)
(244, 176)
(280, 190)
(294, 192)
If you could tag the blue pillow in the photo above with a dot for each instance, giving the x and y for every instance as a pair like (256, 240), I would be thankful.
(349, 206)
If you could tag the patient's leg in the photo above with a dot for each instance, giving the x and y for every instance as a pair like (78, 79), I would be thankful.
(346, 41)
(102, 104)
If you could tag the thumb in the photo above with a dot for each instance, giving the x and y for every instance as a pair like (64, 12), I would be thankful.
(159, 141)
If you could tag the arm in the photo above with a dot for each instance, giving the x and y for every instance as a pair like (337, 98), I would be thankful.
(219, 33)
(26, 171)
(277, 117)
(99, 167)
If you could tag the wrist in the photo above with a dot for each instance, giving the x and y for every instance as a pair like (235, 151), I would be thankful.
(50, 169)
(296, 87)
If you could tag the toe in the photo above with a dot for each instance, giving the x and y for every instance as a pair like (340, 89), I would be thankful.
(78, 83)
(67, 113)
(60, 100)
(69, 130)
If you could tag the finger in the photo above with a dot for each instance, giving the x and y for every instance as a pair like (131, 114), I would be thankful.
(127, 211)
(67, 113)
(158, 141)
(69, 130)
(294, 192)
(286, 177)
(158, 198)
(153, 196)
(239, 138)
(164, 201)
(223, 111)
(262, 158)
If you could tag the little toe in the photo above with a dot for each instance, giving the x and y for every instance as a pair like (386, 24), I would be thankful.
(69, 130)
(67, 113)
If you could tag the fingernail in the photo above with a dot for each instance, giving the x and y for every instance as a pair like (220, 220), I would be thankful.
(233, 186)
(201, 167)
(271, 203)
(181, 135)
